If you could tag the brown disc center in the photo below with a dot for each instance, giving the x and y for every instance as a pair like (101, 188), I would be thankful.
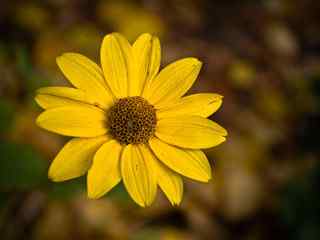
(132, 120)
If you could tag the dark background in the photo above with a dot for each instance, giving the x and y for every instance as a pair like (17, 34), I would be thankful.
(263, 56)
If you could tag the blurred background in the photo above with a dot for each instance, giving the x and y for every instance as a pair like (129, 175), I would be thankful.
(262, 55)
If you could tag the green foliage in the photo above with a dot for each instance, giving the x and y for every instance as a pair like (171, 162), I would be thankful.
(6, 115)
(66, 190)
(119, 193)
(301, 207)
(25, 67)
(147, 234)
(21, 168)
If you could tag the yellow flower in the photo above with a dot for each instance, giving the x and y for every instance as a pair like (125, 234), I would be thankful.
(130, 122)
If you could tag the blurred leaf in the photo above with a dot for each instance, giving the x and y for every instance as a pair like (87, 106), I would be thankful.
(3, 52)
(301, 207)
(315, 88)
(4, 198)
(130, 19)
(25, 67)
(147, 234)
(6, 115)
(31, 16)
(242, 74)
(66, 190)
(20, 168)
(119, 193)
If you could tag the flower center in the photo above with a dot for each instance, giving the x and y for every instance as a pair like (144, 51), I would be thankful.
(132, 120)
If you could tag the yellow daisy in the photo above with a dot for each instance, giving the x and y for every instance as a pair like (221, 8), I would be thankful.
(130, 122)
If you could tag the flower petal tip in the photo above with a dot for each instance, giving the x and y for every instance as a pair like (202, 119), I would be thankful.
(93, 195)
(58, 59)
(147, 35)
(196, 61)
(39, 120)
(224, 134)
(54, 175)
(144, 204)
(111, 35)
(218, 97)
(206, 179)
(223, 139)
(209, 178)
(55, 178)
(175, 202)
(36, 98)
(141, 204)
(64, 55)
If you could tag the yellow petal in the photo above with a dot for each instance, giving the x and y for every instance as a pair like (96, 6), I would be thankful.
(146, 51)
(155, 59)
(190, 132)
(87, 76)
(203, 105)
(190, 163)
(170, 182)
(104, 173)
(52, 97)
(172, 82)
(84, 121)
(138, 175)
(116, 61)
(75, 158)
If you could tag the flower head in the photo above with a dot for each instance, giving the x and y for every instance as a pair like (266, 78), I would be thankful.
(130, 122)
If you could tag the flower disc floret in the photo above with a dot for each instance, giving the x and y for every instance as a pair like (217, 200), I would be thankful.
(132, 120)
